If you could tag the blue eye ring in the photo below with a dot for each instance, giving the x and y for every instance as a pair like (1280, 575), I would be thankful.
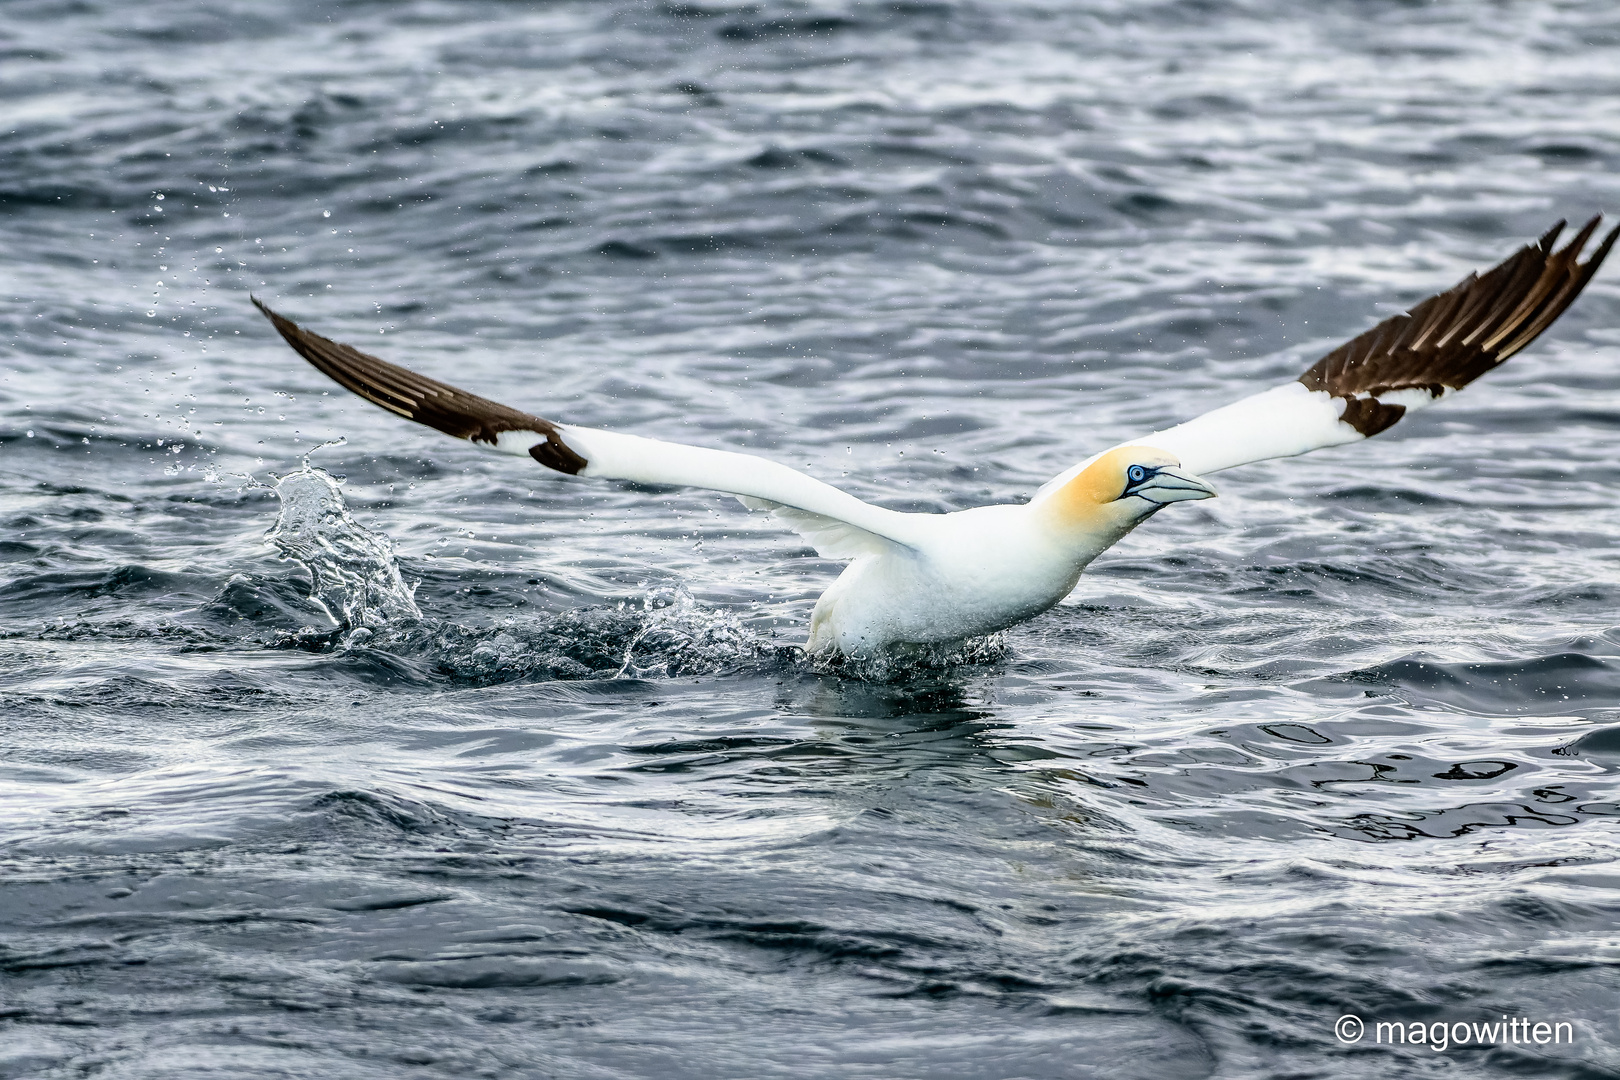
(1136, 474)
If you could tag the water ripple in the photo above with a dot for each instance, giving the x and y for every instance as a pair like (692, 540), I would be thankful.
(439, 765)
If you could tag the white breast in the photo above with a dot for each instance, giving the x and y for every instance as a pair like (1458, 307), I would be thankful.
(978, 571)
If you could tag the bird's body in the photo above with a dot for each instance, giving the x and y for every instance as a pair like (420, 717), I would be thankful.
(932, 579)
(973, 572)
(977, 571)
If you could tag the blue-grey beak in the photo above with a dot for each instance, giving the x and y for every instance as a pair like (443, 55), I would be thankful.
(1167, 484)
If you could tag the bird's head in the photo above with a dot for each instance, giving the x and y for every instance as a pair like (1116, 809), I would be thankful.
(1115, 493)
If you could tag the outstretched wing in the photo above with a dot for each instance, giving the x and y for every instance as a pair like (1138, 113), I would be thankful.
(1403, 364)
(837, 523)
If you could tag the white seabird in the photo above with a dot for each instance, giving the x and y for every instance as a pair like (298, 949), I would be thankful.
(929, 579)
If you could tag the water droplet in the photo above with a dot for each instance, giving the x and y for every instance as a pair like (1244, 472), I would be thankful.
(326, 213)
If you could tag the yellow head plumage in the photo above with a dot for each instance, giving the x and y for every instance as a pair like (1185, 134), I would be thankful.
(1122, 487)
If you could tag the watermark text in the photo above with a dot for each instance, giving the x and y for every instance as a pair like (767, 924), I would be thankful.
(1440, 1036)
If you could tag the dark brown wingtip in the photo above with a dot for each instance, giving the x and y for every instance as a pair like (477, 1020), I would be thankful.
(1602, 252)
(1579, 240)
(1454, 337)
(289, 330)
(417, 397)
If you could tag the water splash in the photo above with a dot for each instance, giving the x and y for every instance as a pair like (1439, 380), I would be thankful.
(678, 635)
(665, 634)
(899, 663)
(354, 574)
(355, 578)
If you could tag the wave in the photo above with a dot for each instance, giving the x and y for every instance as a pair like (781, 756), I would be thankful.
(1559, 683)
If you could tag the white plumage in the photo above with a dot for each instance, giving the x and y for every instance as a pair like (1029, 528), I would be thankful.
(926, 579)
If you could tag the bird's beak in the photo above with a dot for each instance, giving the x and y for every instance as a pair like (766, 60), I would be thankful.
(1169, 485)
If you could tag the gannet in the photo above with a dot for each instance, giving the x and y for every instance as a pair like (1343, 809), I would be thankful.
(919, 579)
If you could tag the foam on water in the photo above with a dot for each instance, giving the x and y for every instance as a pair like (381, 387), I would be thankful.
(659, 636)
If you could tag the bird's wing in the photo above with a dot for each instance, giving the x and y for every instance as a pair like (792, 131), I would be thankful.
(835, 522)
(1403, 364)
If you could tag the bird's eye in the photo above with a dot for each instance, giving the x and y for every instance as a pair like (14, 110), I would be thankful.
(1136, 473)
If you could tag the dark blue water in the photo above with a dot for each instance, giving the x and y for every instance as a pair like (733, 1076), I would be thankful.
(459, 769)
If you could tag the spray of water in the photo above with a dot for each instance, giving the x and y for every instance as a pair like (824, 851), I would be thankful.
(355, 577)
(352, 570)
(678, 634)
(904, 662)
